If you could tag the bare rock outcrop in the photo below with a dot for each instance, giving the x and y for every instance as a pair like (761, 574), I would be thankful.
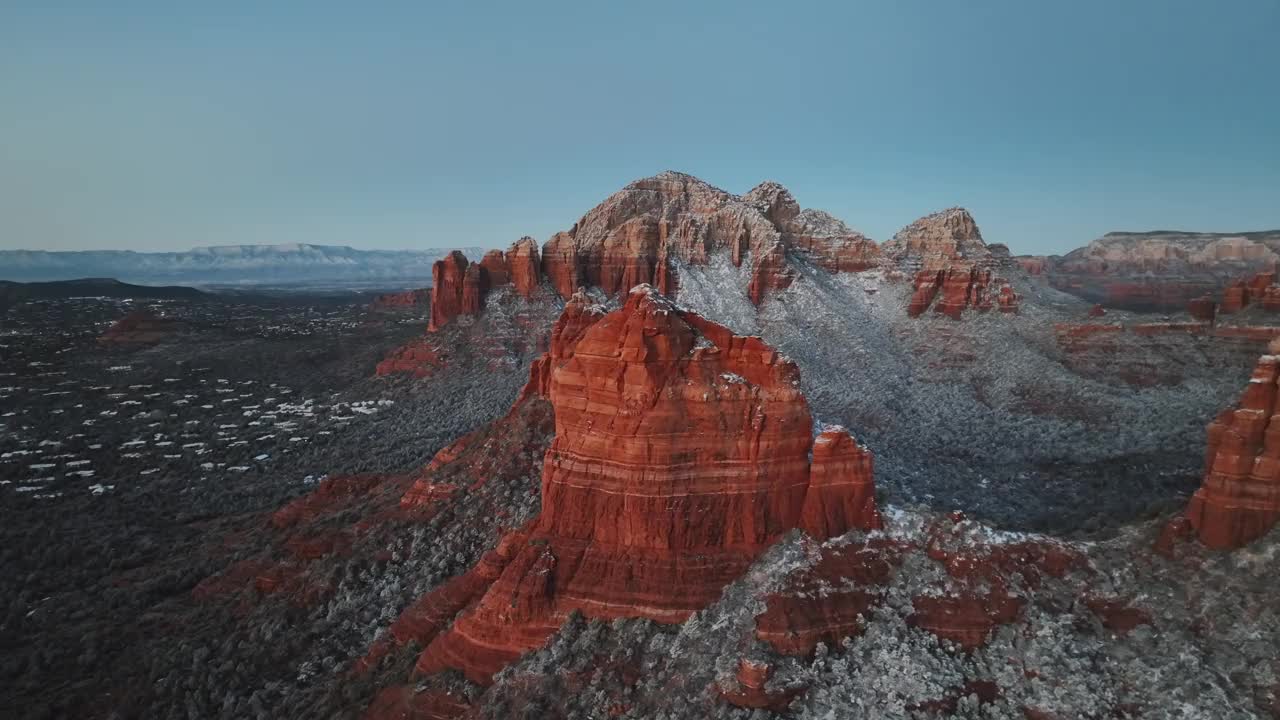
(1239, 500)
(952, 268)
(447, 288)
(681, 451)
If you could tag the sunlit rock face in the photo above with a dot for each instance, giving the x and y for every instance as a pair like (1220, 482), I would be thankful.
(681, 452)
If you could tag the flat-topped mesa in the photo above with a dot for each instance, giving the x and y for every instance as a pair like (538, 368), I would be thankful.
(945, 254)
(1239, 500)
(681, 452)
(1162, 270)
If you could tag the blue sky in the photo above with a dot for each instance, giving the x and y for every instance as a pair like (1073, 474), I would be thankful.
(168, 125)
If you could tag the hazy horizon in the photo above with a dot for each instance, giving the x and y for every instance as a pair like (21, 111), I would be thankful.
(155, 128)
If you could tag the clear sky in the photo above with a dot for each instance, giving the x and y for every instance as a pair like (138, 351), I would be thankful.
(165, 125)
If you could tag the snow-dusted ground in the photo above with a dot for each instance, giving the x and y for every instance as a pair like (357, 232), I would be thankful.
(946, 406)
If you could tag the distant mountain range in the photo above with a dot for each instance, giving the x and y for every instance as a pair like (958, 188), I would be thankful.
(227, 264)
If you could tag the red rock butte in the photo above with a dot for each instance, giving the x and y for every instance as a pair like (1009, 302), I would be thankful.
(681, 452)
(1239, 500)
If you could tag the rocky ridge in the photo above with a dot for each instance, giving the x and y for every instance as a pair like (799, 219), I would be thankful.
(646, 231)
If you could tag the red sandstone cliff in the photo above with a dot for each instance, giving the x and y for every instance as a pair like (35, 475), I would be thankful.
(447, 277)
(1240, 498)
(681, 451)
(952, 267)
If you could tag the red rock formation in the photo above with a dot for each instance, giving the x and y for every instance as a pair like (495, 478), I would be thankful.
(1240, 498)
(1203, 309)
(1235, 297)
(681, 451)
(965, 619)
(1259, 283)
(560, 264)
(829, 601)
(1162, 271)
(984, 586)
(1260, 289)
(332, 492)
(953, 265)
(475, 286)
(770, 273)
(1097, 311)
(824, 239)
(408, 298)
(957, 287)
(447, 279)
(926, 286)
(419, 358)
(525, 266)
(497, 269)
(841, 493)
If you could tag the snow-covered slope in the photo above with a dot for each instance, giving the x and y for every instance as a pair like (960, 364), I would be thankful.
(981, 414)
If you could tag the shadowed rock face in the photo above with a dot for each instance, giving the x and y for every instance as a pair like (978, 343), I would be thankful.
(681, 452)
(1239, 501)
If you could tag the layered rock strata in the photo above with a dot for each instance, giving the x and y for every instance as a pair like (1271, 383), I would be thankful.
(1158, 271)
(952, 268)
(681, 451)
(1239, 500)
